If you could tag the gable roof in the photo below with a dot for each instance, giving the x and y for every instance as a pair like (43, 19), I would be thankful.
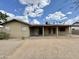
(16, 21)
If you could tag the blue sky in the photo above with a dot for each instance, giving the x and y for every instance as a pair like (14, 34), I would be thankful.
(15, 7)
(11, 5)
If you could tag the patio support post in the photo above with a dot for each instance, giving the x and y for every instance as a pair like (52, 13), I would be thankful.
(57, 31)
(43, 30)
(70, 31)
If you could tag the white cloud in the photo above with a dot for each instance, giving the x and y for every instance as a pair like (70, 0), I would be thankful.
(9, 14)
(12, 16)
(71, 21)
(69, 13)
(2, 11)
(34, 8)
(35, 21)
(61, 18)
(39, 12)
(26, 19)
(21, 18)
(56, 16)
(64, 18)
(44, 3)
(30, 11)
(39, 3)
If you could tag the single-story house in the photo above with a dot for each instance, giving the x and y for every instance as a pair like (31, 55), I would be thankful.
(75, 25)
(75, 28)
(20, 29)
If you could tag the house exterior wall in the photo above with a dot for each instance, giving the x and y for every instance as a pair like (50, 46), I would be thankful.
(66, 32)
(46, 31)
(17, 29)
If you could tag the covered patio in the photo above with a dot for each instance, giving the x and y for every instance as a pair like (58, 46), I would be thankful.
(50, 30)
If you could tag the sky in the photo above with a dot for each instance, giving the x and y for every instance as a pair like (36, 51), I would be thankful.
(40, 11)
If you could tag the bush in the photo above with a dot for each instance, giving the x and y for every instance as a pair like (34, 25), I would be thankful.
(4, 35)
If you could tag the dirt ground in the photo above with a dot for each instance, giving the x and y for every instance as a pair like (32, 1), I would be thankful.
(53, 48)
(7, 47)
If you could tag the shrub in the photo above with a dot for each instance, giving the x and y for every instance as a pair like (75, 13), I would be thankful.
(4, 35)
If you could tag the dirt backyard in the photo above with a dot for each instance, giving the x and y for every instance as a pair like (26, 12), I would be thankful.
(53, 48)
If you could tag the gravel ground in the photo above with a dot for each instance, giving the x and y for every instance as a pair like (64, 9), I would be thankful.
(48, 49)
(7, 47)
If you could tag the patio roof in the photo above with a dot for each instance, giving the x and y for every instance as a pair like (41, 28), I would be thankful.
(49, 25)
